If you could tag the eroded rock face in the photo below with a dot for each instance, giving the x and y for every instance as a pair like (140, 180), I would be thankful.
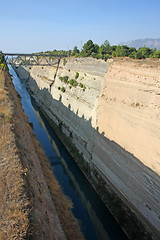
(77, 107)
(114, 121)
(129, 109)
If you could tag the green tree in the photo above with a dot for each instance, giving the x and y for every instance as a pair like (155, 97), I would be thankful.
(122, 51)
(106, 45)
(88, 48)
(132, 49)
(107, 56)
(102, 50)
(143, 52)
(113, 48)
(96, 48)
(156, 54)
(113, 53)
(133, 54)
(139, 54)
(75, 51)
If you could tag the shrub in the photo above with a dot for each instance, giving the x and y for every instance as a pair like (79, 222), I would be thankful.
(64, 79)
(81, 85)
(59, 88)
(4, 66)
(77, 75)
(133, 55)
(63, 89)
(156, 54)
(139, 55)
(73, 82)
(64, 62)
(107, 56)
(76, 55)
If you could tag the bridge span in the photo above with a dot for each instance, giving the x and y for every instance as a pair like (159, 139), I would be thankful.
(32, 59)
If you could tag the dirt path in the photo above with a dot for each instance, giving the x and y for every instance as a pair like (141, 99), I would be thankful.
(28, 186)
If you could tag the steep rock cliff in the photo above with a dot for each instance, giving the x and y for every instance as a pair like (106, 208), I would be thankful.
(130, 105)
(113, 121)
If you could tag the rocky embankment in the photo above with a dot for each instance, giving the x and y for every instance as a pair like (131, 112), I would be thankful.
(32, 205)
(112, 116)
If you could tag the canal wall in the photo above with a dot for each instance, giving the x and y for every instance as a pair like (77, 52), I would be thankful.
(111, 115)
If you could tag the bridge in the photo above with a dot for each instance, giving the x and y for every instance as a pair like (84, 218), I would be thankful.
(32, 59)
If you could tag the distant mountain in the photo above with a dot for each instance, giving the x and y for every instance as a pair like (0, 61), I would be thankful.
(148, 42)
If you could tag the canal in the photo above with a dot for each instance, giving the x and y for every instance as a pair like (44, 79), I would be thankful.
(96, 221)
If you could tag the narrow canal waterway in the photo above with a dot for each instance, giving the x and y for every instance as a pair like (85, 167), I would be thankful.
(96, 221)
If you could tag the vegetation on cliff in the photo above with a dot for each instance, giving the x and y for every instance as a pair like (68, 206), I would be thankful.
(3, 64)
(105, 51)
(72, 82)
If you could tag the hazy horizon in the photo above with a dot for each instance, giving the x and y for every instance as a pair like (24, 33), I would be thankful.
(48, 25)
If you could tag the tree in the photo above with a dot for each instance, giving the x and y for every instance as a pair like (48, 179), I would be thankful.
(96, 48)
(132, 49)
(75, 51)
(113, 48)
(122, 51)
(132, 54)
(88, 48)
(139, 54)
(143, 52)
(113, 53)
(102, 49)
(156, 54)
(106, 44)
(1, 57)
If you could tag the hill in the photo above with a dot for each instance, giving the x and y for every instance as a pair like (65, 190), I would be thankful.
(148, 42)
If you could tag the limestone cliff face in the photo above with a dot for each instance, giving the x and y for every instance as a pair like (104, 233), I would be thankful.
(114, 121)
(129, 109)
(76, 108)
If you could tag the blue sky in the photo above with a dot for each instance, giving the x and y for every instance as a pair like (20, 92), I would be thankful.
(36, 25)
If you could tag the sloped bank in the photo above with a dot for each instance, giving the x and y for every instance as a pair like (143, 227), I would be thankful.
(13, 204)
(75, 110)
(35, 206)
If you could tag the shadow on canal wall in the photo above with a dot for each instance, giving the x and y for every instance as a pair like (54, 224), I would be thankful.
(95, 210)
(108, 166)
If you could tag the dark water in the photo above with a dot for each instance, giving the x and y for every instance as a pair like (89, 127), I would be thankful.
(96, 221)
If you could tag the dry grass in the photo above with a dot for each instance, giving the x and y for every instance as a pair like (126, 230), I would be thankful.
(63, 205)
(13, 201)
